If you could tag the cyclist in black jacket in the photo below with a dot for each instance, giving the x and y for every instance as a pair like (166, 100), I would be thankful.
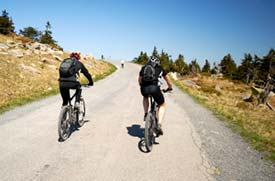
(66, 83)
(153, 88)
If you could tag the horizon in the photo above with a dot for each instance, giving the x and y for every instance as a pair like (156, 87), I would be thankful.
(122, 29)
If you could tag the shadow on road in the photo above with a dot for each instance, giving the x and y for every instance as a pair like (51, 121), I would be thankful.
(73, 129)
(136, 131)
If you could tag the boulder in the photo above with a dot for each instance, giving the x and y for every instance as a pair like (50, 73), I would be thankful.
(218, 88)
(16, 53)
(174, 75)
(58, 58)
(4, 47)
(30, 69)
(190, 83)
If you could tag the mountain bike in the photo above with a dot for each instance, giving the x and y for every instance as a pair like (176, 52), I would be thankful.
(71, 115)
(151, 124)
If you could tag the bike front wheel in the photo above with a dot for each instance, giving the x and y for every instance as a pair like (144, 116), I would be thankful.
(64, 124)
(148, 132)
(81, 113)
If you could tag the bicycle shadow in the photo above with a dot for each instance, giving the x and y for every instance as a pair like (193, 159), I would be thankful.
(136, 131)
(74, 128)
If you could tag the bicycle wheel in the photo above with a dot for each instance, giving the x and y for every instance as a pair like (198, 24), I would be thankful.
(81, 113)
(64, 124)
(148, 132)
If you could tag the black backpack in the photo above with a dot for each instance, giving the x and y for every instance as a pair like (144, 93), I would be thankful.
(149, 73)
(67, 68)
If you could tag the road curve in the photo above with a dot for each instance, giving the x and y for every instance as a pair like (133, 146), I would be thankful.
(107, 146)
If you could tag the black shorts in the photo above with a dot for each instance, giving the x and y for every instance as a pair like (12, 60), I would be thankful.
(154, 91)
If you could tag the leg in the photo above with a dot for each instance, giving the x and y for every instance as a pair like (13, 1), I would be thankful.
(78, 94)
(145, 104)
(65, 94)
(161, 110)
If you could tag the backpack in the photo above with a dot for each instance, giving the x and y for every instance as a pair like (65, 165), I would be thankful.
(149, 73)
(67, 68)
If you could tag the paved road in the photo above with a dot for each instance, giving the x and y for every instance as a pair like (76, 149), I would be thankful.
(107, 146)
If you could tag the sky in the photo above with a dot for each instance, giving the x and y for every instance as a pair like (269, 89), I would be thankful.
(121, 29)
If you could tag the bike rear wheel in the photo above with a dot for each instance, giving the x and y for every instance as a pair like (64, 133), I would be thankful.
(148, 132)
(64, 125)
(81, 113)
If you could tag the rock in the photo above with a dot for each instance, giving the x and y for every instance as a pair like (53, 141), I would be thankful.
(10, 43)
(174, 75)
(59, 52)
(248, 97)
(4, 47)
(52, 67)
(58, 58)
(4, 53)
(271, 94)
(218, 88)
(47, 61)
(30, 69)
(190, 83)
(16, 52)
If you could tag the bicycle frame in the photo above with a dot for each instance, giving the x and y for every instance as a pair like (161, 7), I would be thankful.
(65, 123)
(151, 124)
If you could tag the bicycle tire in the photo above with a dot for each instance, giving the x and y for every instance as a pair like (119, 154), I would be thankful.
(81, 113)
(64, 124)
(148, 132)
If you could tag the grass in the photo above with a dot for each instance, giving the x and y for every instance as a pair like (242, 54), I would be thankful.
(35, 76)
(255, 123)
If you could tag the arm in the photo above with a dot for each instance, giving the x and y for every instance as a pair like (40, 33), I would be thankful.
(87, 74)
(139, 80)
(168, 81)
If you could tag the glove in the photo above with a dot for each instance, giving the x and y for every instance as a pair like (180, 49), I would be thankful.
(91, 83)
(167, 90)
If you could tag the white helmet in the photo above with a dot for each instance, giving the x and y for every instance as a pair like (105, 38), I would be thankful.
(154, 61)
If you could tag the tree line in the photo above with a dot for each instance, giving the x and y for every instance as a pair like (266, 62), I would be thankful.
(252, 69)
(7, 28)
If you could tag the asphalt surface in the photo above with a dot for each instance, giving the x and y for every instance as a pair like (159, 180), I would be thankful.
(195, 145)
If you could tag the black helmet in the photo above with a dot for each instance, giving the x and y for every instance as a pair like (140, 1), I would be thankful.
(154, 61)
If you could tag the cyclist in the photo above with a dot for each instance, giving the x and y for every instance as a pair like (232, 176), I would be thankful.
(151, 86)
(122, 63)
(69, 73)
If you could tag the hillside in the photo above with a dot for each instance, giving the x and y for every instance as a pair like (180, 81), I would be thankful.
(29, 70)
(226, 98)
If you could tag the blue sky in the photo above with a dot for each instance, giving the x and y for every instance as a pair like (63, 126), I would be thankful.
(201, 29)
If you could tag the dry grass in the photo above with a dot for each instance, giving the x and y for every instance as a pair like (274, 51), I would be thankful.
(31, 77)
(256, 123)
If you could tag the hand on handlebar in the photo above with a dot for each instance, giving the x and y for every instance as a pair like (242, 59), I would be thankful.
(167, 90)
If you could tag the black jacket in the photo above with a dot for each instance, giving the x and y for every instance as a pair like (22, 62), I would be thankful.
(160, 72)
(73, 82)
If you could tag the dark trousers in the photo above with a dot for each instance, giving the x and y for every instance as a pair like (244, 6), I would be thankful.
(65, 94)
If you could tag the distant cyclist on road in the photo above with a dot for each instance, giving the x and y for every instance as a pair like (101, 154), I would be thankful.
(148, 79)
(122, 63)
(69, 72)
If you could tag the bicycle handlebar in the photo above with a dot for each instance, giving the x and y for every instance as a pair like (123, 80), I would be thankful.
(167, 90)
(85, 85)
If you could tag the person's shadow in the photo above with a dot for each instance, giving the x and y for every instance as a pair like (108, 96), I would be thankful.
(136, 131)
(74, 128)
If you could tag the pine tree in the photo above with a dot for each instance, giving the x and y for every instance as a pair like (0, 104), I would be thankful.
(245, 70)
(164, 60)
(46, 37)
(30, 32)
(155, 52)
(6, 23)
(206, 68)
(266, 63)
(228, 66)
(194, 67)
(142, 58)
(180, 66)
